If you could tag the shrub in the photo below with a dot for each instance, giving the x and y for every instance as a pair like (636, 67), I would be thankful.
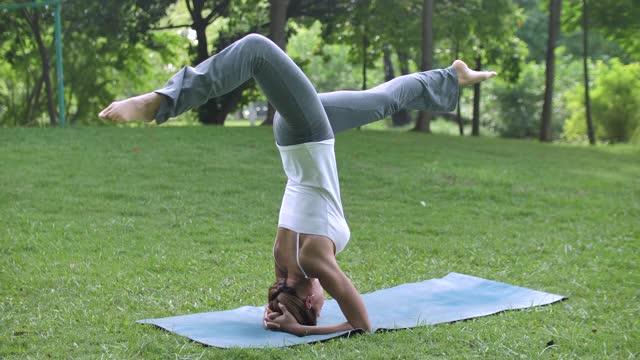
(615, 104)
(519, 105)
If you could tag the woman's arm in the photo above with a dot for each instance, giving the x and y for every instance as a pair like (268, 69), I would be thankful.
(280, 272)
(319, 262)
(336, 283)
(284, 321)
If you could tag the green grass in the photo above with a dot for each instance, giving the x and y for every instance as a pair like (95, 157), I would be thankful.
(100, 227)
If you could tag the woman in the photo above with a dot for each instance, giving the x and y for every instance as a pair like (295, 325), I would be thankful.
(311, 228)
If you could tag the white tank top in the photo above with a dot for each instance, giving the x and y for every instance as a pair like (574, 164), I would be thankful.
(311, 203)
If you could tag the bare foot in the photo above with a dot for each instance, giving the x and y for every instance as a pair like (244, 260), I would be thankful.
(143, 107)
(467, 76)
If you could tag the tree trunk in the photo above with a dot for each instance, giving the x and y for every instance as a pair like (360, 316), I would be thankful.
(389, 71)
(555, 8)
(402, 117)
(587, 100)
(475, 121)
(34, 22)
(403, 62)
(459, 116)
(207, 112)
(389, 74)
(458, 111)
(214, 111)
(200, 26)
(278, 15)
(34, 99)
(365, 46)
(423, 122)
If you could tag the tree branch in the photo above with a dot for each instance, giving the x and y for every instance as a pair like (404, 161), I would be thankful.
(216, 12)
(172, 27)
(210, 18)
(189, 7)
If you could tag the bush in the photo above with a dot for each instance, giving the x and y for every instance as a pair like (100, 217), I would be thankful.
(615, 104)
(519, 105)
(515, 110)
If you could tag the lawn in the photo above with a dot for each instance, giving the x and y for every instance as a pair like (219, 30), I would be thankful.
(100, 227)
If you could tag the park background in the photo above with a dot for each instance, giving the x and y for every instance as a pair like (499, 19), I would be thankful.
(104, 224)
(118, 49)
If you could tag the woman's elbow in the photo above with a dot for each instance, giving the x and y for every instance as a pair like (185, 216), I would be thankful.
(362, 325)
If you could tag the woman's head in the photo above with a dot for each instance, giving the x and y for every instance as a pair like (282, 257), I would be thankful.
(304, 300)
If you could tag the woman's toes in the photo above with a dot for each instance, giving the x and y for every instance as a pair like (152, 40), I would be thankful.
(105, 112)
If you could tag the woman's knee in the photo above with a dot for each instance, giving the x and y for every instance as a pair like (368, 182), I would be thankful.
(257, 40)
(386, 100)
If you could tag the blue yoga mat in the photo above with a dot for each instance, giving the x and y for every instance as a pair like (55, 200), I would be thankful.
(452, 298)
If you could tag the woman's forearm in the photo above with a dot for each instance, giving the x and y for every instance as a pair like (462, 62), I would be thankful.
(304, 330)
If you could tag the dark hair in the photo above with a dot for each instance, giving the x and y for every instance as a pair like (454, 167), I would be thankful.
(280, 293)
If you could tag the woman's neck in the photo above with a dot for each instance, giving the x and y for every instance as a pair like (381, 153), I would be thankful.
(298, 282)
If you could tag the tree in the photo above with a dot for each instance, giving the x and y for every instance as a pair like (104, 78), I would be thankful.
(585, 46)
(278, 16)
(243, 18)
(481, 31)
(355, 24)
(616, 19)
(99, 38)
(214, 111)
(424, 118)
(615, 100)
(396, 29)
(456, 29)
(495, 44)
(555, 8)
(32, 16)
(20, 73)
(106, 48)
(279, 13)
(401, 117)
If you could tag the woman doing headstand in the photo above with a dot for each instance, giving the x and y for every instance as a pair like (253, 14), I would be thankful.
(311, 227)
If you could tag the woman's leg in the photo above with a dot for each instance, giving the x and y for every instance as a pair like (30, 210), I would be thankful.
(283, 83)
(435, 90)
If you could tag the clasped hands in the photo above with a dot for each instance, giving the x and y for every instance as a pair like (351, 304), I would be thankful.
(282, 321)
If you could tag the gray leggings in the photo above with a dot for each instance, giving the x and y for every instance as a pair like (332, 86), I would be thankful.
(302, 114)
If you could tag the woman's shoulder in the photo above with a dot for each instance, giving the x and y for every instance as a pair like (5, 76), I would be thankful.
(317, 255)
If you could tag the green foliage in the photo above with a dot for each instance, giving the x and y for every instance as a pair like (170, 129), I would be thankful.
(108, 53)
(495, 28)
(514, 109)
(519, 104)
(534, 31)
(22, 98)
(398, 23)
(104, 45)
(101, 227)
(575, 127)
(616, 19)
(615, 104)
(111, 54)
(328, 66)
(468, 29)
